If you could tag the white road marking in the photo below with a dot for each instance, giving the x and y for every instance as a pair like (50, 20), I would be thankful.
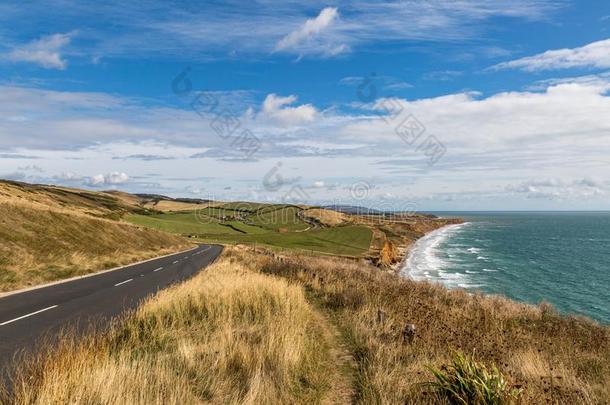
(25, 316)
(159, 269)
(123, 282)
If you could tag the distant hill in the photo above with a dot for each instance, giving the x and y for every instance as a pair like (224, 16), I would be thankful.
(159, 197)
(49, 233)
(353, 209)
(359, 210)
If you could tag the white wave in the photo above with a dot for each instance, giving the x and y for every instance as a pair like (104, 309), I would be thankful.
(469, 285)
(474, 250)
(425, 262)
(481, 258)
(490, 270)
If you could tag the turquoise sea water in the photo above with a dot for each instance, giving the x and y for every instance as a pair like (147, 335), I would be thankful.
(560, 257)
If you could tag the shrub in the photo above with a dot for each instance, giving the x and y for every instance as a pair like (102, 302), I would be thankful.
(466, 381)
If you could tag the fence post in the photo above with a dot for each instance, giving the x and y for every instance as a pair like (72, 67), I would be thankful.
(380, 316)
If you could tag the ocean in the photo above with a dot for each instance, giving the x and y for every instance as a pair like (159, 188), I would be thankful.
(562, 258)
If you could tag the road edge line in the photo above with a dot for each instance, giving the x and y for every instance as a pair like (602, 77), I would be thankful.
(9, 293)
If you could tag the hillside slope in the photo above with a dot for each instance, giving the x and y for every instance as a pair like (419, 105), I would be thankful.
(50, 233)
(283, 328)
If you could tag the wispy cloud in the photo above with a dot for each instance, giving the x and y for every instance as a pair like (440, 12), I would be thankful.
(383, 81)
(561, 132)
(308, 38)
(593, 55)
(16, 156)
(144, 157)
(443, 75)
(45, 51)
(233, 28)
(558, 189)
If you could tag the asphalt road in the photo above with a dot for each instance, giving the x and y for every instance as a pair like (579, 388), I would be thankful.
(31, 317)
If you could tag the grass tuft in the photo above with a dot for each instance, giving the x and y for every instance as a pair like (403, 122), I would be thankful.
(465, 381)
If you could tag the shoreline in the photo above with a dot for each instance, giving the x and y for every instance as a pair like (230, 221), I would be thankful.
(404, 250)
(427, 266)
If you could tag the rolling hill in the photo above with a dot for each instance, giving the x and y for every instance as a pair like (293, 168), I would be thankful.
(50, 233)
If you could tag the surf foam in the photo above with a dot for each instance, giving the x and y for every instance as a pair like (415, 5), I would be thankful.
(425, 260)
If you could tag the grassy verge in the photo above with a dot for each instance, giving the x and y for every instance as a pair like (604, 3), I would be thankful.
(258, 328)
(41, 244)
(546, 357)
(229, 335)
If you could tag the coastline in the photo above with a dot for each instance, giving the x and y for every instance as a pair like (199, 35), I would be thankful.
(404, 249)
(526, 258)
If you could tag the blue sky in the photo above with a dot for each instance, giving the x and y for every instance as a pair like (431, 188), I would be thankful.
(429, 105)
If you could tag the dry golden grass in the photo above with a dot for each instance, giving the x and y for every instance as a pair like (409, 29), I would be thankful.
(239, 333)
(164, 205)
(46, 237)
(229, 335)
(327, 217)
(555, 359)
(129, 200)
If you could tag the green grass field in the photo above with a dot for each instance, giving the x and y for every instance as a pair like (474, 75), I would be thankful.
(278, 217)
(345, 241)
(271, 225)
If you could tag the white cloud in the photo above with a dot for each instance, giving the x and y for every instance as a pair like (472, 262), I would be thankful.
(593, 55)
(366, 23)
(113, 178)
(556, 189)
(352, 80)
(72, 120)
(562, 114)
(600, 80)
(68, 176)
(194, 190)
(442, 75)
(306, 39)
(558, 131)
(238, 28)
(278, 109)
(45, 51)
(398, 86)
(31, 168)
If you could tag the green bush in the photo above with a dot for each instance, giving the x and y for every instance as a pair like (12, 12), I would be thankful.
(466, 381)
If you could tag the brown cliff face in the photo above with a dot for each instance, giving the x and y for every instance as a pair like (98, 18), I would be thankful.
(394, 235)
(389, 254)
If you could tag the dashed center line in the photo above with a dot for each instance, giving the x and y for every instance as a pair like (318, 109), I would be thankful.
(123, 282)
(116, 285)
(28, 315)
